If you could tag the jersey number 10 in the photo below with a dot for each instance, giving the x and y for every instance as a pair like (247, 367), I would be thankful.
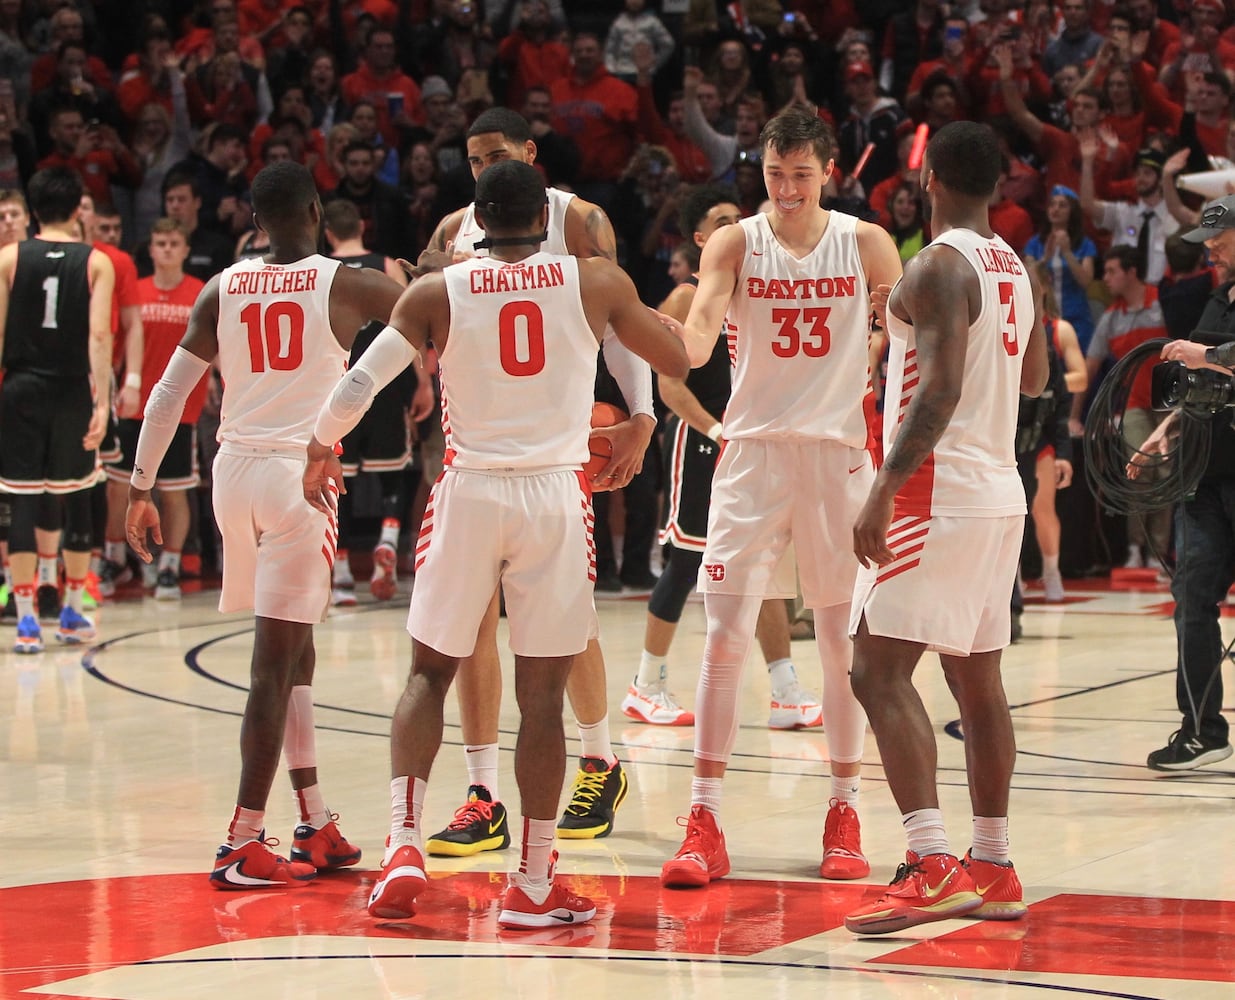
(272, 341)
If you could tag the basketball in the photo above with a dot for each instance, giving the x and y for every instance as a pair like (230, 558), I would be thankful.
(603, 415)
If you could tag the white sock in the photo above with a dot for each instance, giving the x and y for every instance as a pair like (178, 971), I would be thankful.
(534, 866)
(595, 740)
(652, 669)
(926, 832)
(246, 825)
(115, 552)
(390, 533)
(342, 570)
(706, 792)
(169, 560)
(482, 767)
(74, 594)
(1050, 565)
(407, 804)
(846, 788)
(990, 839)
(311, 807)
(781, 673)
(49, 571)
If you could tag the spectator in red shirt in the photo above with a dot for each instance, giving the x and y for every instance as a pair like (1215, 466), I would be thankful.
(911, 37)
(222, 94)
(392, 92)
(598, 111)
(1159, 34)
(328, 171)
(530, 55)
(986, 84)
(149, 83)
(1200, 49)
(70, 89)
(1007, 218)
(95, 152)
(67, 26)
(955, 61)
(693, 165)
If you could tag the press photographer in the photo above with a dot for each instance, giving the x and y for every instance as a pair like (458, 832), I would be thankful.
(1205, 518)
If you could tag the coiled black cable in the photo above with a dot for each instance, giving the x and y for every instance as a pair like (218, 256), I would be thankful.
(1165, 479)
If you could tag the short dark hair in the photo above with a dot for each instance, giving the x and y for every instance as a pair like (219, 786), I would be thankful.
(106, 210)
(182, 178)
(357, 145)
(222, 133)
(1129, 259)
(1182, 256)
(510, 124)
(342, 218)
(795, 129)
(701, 200)
(64, 47)
(510, 195)
(55, 194)
(282, 192)
(1220, 80)
(938, 79)
(965, 158)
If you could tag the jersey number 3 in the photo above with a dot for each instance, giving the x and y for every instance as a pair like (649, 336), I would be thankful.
(276, 335)
(1006, 298)
(521, 338)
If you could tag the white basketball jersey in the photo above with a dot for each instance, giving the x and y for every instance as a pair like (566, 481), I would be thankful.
(972, 471)
(277, 355)
(519, 365)
(799, 330)
(470, 233)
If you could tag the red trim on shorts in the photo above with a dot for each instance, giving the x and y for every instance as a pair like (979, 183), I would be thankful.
(589, 524)
(425, 537)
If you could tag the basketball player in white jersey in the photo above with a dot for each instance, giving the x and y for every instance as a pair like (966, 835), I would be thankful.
(281, 327)
(796, 286)
(966, 341)
(511, 507)
(581, 229)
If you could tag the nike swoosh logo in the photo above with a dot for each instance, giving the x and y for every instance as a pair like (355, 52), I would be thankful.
(568, 919)
(857, 468)
(935, 892)
(982, 890)
(494, 827)
(234, 876)
(756, 253)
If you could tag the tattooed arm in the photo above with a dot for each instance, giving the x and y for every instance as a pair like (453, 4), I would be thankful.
(927, 298)
(589, 233)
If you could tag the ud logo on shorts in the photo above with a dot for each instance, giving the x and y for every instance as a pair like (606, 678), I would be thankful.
(715, 571)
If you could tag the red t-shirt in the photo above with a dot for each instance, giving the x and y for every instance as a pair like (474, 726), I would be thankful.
(363, 85)
(125, 294)
(165, 317)
(600, 115)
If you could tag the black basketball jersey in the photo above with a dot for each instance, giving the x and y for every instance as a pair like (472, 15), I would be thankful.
(405, 382)
(712, 383)
(48, 327)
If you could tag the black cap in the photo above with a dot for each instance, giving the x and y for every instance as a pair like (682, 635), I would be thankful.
(1150, 157)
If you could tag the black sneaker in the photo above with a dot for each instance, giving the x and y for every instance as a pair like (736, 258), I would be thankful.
(113, 575)
(595, 797)
(167, 588)
(608, 583)
(1184, 751)
(479, 825)
(47, 601)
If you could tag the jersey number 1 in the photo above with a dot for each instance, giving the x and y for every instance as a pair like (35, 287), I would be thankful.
(270, 339)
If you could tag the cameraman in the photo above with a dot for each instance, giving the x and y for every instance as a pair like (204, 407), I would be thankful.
(1204, 521)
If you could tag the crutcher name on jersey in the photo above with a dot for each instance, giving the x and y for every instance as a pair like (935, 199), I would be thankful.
(274, 281)
(517, 278)
(801, 288)
(999, 261)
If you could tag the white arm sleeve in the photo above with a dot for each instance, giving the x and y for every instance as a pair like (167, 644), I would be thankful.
(162, 416)
(376, 368)
(632, 374)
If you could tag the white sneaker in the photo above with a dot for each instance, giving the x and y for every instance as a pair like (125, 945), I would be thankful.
(793, 707)
(1052, 587)
(652, 704)
(1135, 559)
(343, 597)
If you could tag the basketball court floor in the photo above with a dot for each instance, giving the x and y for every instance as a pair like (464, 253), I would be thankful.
(118, 776)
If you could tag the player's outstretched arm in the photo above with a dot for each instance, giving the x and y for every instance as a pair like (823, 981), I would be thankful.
(1036, 367)
(8, 264)
(718, 277)
(609, 296)
(927, 297)
(102, 288)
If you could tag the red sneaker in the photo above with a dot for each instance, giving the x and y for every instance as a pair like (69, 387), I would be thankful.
(702, 856)
(935, 887)
(842, 844)
(255, 866)
(1000, 889)
(560, 907)
(401, 881)
(385, 581)
(325, 848)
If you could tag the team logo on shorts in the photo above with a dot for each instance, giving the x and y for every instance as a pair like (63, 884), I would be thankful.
(715, 571)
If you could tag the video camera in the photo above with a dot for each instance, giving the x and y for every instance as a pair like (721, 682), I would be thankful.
(1200, 392)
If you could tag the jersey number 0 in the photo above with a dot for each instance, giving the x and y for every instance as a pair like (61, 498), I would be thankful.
(521, 338)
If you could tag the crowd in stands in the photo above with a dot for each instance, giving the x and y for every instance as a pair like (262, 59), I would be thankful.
(170, 108)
